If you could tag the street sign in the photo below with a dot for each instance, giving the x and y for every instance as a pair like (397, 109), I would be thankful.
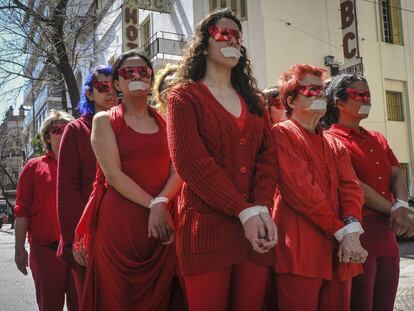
(130, 26)
(350, 44)
(162, 6)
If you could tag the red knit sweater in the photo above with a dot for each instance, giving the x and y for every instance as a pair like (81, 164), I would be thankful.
(225, 170)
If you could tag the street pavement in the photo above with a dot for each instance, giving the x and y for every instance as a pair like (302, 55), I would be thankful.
(17, 291)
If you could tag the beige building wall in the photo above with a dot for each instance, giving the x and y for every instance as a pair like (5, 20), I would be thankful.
(280, 33)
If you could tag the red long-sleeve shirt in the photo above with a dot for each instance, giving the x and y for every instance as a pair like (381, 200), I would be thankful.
(76, 174)
(317, 187)
(372, 159)
(36, 199)
(225, 170)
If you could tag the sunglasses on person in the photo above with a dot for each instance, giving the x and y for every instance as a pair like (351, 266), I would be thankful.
(359, 95)
(310, 90)
(130, 72)
(275, 102)
(57, 129)
(102, 87)
(221, 34)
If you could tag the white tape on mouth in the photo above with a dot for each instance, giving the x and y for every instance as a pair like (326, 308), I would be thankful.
(318, 104)
(364, 109)
(138, 85)
(230, 52)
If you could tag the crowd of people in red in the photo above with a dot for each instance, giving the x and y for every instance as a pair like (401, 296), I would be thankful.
(222, 197)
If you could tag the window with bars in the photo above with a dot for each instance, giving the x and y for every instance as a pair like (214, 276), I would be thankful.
(239, 7)
(406, 173)
(391, 21)
(395, 107)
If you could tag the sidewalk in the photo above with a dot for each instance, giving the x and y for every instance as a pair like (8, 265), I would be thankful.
(405, 294)
(6, 229)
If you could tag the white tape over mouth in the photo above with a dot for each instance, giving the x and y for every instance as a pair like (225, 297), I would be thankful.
(230, 52)
(364, 109)
(318, 104)
(138, 85)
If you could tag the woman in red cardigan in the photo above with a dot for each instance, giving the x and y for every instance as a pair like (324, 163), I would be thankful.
(131, 263)
(36, 214)
(385, 209)
(317, 205)
(77, 164)
(221, 145)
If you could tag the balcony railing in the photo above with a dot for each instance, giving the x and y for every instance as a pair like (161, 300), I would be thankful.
(164, 45)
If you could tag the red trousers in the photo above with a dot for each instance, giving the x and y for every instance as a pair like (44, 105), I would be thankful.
(53, 280)
(376, 288)
(297, 293)
(239, 287)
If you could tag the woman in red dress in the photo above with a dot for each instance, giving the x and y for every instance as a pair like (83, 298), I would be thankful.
(385, 211)
(36, 214)
(318, 202)
(131, 264)
(221, 145)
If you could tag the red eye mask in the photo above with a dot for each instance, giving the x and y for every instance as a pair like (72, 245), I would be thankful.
(359, 95)
(130, 72)
(102, 87)
(224, 34)
(57, 130)
(310, 90)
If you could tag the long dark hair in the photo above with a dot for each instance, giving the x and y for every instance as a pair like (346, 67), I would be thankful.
(193, 64)
(337, 90)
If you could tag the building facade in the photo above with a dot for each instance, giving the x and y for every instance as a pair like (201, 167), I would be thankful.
(12, 156)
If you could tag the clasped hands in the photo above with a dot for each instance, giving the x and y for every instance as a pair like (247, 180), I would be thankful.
(350, 249)
(261, 232)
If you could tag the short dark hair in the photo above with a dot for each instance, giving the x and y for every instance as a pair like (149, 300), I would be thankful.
(337, 90)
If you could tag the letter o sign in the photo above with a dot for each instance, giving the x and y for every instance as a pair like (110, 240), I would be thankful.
(132, 33)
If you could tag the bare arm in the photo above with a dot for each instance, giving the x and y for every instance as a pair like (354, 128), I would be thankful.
(375, 201)
(106, 151)
(173, 184)
(21, 225)
(398, 185)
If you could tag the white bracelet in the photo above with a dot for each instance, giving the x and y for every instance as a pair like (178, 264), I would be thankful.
(247, 213)
(399, 203)
(157, 200)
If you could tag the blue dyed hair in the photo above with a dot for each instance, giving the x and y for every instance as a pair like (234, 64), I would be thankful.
(85, 106)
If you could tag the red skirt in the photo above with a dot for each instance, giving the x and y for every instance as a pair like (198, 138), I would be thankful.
(127, 270)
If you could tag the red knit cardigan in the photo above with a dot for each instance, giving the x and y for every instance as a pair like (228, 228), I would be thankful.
(225, 170)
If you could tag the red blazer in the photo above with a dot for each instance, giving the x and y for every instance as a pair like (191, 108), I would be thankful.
(225, 170)
(317, 187)
(36, 199)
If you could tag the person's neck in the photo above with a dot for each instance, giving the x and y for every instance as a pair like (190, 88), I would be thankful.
(136, 106)
(349, 122)
(309, 123)
(55, 152)
(217, 76)
(98, 109)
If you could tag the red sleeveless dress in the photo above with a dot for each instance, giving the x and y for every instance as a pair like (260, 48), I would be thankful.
(126, 269)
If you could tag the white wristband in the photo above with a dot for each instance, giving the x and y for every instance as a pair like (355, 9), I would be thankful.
(353, 227)
(399, 203)
(252, 211)
(157, 200)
